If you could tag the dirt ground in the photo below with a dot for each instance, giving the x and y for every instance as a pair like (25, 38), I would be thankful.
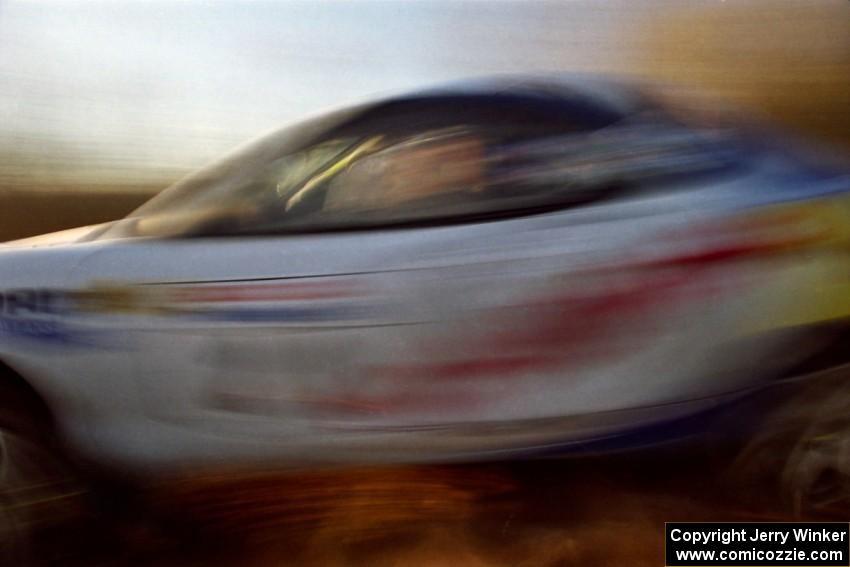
(548, 513)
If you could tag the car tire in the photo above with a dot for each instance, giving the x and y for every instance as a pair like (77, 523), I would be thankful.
(42, 500)
(802, 448)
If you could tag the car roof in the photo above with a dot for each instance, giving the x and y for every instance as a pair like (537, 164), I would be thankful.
(589, 100)
(616, 94)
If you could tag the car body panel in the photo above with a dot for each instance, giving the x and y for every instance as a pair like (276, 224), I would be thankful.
(459, 340)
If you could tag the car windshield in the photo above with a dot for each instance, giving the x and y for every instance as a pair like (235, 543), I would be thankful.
(176, 209)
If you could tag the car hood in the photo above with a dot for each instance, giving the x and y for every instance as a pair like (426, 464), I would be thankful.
(69, 236)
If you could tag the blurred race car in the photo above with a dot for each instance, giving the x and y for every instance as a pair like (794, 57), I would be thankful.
(476, 271)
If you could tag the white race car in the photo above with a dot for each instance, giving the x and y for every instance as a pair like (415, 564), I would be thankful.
(476, 271)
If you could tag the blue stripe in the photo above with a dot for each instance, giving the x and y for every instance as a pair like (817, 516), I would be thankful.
(288, 314)
(50, 332)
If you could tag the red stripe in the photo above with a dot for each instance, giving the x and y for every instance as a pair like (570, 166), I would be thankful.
(715, 255)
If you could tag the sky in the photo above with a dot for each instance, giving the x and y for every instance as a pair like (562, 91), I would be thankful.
(150, 89)
(173, 84)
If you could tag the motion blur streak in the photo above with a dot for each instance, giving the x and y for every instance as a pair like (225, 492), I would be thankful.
(605, 334)
(548, 514)
(338, 505)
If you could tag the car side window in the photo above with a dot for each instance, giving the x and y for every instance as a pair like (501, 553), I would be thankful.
(459, 173)
(446, 174)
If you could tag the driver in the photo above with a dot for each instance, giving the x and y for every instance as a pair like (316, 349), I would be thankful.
(410, 171)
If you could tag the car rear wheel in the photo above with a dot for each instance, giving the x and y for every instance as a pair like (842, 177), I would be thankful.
(803, 447)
